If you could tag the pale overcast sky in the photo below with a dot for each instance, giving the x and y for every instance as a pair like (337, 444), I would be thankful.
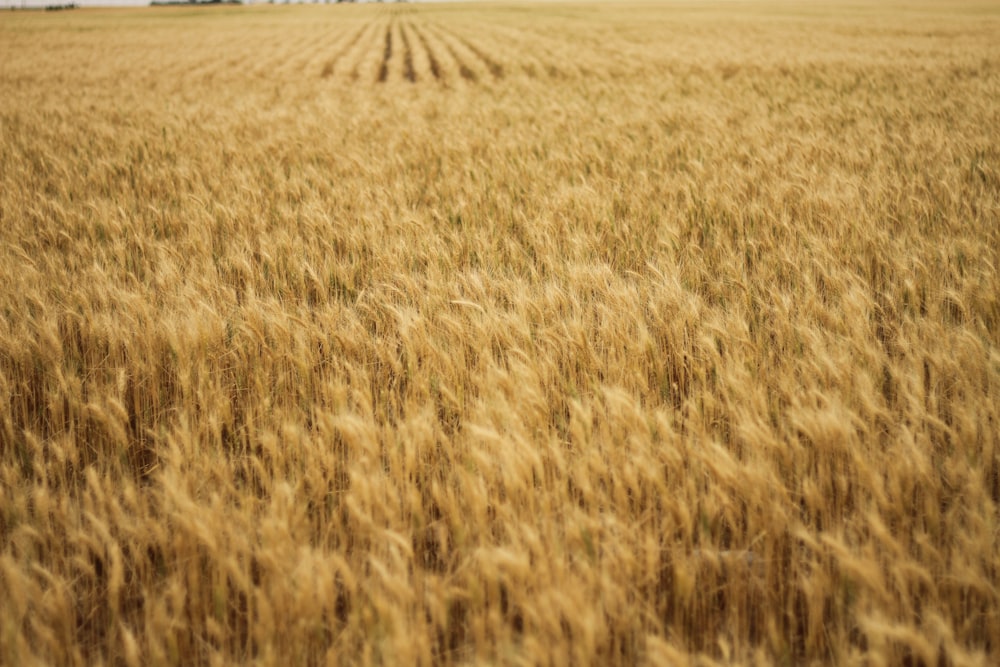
(6, 4)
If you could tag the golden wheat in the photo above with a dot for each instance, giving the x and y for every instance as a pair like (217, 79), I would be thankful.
(500, 334)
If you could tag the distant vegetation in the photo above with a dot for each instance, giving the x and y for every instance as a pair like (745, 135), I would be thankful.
(48, 8)
(568, 334)
(167, 3)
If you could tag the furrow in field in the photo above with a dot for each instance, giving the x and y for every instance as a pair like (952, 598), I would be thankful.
(535, 55)
(383, 72)
(559, 57)
(409, 73)
(281, 55)
(304, 52)
(492, 65)
(402, 56)
(433, 65)
(317, 59)
(176, 69)
(527, 53)
(330, 66)
(187, 55)
(272, 57)
(462, 61)
(366, 55)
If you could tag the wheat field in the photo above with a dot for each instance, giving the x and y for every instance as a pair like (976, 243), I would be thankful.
(501, 334)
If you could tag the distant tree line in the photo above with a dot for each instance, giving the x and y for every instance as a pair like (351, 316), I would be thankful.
(48, 8)
(165, 3)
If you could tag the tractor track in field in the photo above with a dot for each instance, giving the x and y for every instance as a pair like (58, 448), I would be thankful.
(298, 55)
(397, 49)
(408, 72)
(432, 60)
(331, 64)
(494, 67)
(365, 46)
(383, 72)
(543, 60)
(464, 70)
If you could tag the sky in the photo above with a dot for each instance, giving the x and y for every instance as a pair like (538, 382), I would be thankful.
(7, 4)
